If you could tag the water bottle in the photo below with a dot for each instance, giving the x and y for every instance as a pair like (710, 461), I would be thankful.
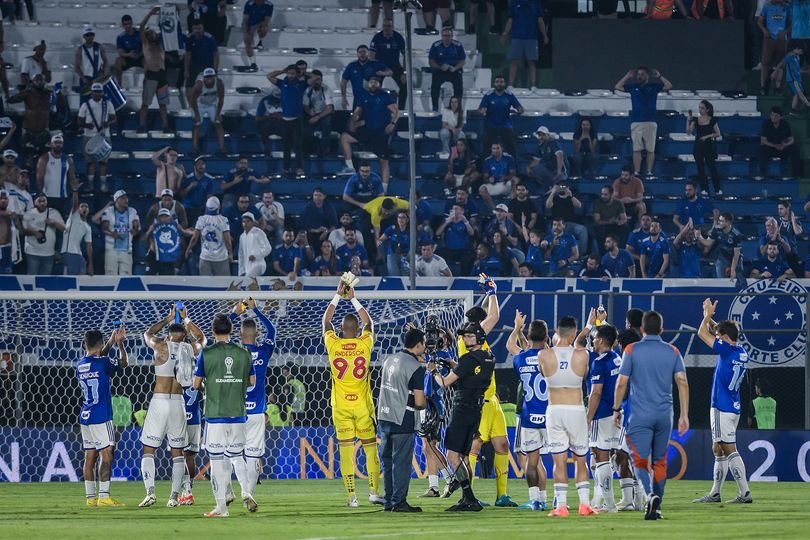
(178, 307)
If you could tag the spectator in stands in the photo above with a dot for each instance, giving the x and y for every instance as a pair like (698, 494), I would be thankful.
(318, 111)
(711, 9)
(608, 215)
(429, 10)
(462, 167)
(20, 200)
(474, 6)
(379, 113)
(791, 66)
(561, 250)
(255, 20)
(586, 144)
(338, 236)
(772, 266)
(594, 269)
(637, 236)
(212, 15)
(428, 264)
(166, 201)
(155, 81)
(452, 124)
(525, 271)
(499, 248)
(447, 58)
(362, 187)
(358, 73)
(457, 235)
(39, 228)
(90, 61)
(508, 229)
(772, 234)
(319, 218)
(128, 46)
(689, 250)
(239, 181)
(201, 53)
(773, 22)
(35, 135)
(269, 119)
(165, 239)
(195, 189)
(791, 230)
(500, 172)
(694, 207)
(486, 262)
(654, 257)
(253, 248)
(387, 47)
(351, 248)
(550, 163)
(271, 217)
(307, 253)
(287, 257)
(95, 117)
(9, 171)
(776, 140)
(398, 240)
(216, 251)
(206, 99)
(525, 25)
(662, 10)
(563, 205)
(168, 174)
(234, 213)
(34, 65)
(728, 239)
(10, 225)
(522, 210)
(325, 264)
(618, 262)
(706, 130)
(383, 211)
(643, 95)
(292, 111)
(466, 203)
(120, 224)
(535, 255)
(496, 106)
(629, 189)
(56, 174)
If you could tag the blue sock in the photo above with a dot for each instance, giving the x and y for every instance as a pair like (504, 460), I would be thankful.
(643, 476)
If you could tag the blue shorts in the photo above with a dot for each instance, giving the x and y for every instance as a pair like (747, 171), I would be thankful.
(796, 87)
(523, 48)
(73, 264)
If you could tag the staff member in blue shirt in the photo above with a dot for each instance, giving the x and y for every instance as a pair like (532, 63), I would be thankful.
(644, 97)
(446, 59)
(496, 106)
(387, 47)
(292, 111)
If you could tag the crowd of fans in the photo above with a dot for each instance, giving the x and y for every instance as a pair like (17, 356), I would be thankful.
(501, 217)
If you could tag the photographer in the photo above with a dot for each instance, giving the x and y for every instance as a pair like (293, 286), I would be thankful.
(401, 394)
(563, 203)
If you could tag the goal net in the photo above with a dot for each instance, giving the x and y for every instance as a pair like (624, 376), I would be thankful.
(40, 398)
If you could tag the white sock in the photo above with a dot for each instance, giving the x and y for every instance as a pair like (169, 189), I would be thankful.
(433, 481)
(349, 164)
(186, 484)
(604, 477)
(220, 478)
(583, 490)
(104, 489)
(737, 467)
(561, 495)
(534, 493)
(178, 471)
(240, 468)
(627, 489)
(253, 472)
(542, 495)
(719, 474)
(90, 489)
(148, 473)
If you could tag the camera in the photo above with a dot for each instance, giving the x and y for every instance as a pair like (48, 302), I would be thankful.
(432, 334)
(42, 239)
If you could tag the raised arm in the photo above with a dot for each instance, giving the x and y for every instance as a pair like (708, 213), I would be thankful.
(150, 336)
(269, 327)
(704, 331)
(330, 309)
(582, 338)
(119, 336)
(493, 309)
(513, 343)
(365, 318)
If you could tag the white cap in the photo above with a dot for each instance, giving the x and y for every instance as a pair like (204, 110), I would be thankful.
(164, 212)
(249, 215)
(118, 194)
(542, 129)
(88, 30)
(502, 207)
(9, 152)
(97, 87)
(212, 203)
(209, 72)
(168, 192)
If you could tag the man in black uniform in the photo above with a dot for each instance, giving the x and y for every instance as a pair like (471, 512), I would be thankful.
(472, 376)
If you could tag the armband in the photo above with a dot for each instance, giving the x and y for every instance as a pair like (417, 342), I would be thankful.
(588, 327)
(335, 300)
(357, 305)
(617, 410)
(186, 321)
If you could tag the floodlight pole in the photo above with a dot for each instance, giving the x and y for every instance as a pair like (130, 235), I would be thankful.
(412, 201)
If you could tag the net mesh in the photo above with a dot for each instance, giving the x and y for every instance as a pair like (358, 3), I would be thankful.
(40, 341)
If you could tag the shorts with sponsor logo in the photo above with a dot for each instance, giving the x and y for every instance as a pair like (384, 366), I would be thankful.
(193, 438)
(166, 418)
(228, 439)
(354, 423)
(604, 434)
(493, 422)
(255, 435)
(567, 429)
(723, 426)
(530, 439)
(98, 436)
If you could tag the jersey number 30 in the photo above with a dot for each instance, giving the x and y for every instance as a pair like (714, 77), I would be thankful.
(538, 390)
(359, 369)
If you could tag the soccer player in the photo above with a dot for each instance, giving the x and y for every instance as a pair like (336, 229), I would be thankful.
(531, 437)
(473, 375)
(227, 370)
(166, 417)
(98, 434)
(564, 367)
(256, 399)
(352, 408)
(725, 411)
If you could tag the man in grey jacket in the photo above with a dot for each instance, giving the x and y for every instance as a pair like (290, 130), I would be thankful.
(401, 395)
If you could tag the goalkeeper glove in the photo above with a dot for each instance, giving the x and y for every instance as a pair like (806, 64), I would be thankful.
(487, 285)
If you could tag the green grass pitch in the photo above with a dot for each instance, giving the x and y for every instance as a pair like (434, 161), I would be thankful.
(313, 509)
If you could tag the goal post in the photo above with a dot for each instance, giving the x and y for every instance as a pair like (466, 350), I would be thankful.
(41, 334)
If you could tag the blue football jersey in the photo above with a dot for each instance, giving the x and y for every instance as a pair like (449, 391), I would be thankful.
(535, 389)
(256, 398)
(605, 371)
(191, 402)
(432, 389)
(728, 376)
(94, 374)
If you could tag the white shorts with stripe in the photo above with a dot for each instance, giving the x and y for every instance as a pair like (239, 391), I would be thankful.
(98, 436)
(166, 418)
(530, 439)
(193, 438)
(255, 435)
(604, 434)
(228, 439)
(567, 427)
(723, 426)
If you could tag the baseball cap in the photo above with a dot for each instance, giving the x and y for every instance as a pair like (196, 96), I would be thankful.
(542, 129)
(212, 203)
(249, 215)
(9, 153)
(168, 192)
(209, 72)
(118, 194)
(88, 30)
(164, 212)
(57, 137)
(501, 207)
(97, 87)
